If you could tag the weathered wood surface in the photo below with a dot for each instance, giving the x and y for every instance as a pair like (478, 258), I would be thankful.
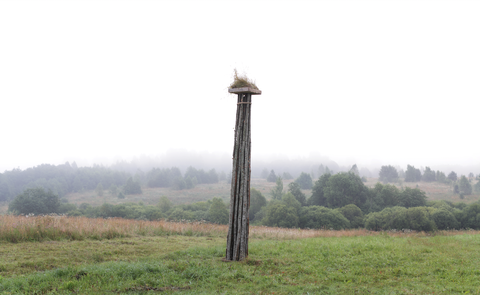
(238, 229)
(245, 90)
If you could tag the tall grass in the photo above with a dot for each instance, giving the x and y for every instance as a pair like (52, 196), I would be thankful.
(38, 228)
(16, 229)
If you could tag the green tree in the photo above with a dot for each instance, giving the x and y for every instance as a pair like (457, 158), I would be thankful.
(354, 170)
(257, 201)
(164, 204)
(287, 176)
(440, 177)
(412, 197)
(218, 213)
(305, 181)
(412, 174)
(290, 201)
(464, 186)
(36, 201)
(318, 196)
(388, 174)
(345, 188)
(132, 187)
(445, 220)
(277, 191)
(321, 217)
(294, 188)
(121, 195)
(278, 214)
(99, 189)
(272, 177)
(353, 214)
(477, 187)
(452, 176)
(428, 175)
(471, 217)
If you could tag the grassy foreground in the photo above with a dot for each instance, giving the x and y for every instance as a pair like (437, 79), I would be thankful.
(280, 262)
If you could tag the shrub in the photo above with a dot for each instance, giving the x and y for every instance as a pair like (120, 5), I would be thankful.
(445, 219)
(257, 201)
(321, 217)
(164, 204)
(412, 197)
(218, 212)
(345, 188)
(353, 214)
(294, 189)
(318, 194)
(36, 201)
(280, 215)
(290, 200)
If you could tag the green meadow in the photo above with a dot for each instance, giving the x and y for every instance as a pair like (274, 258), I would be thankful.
(187, 259)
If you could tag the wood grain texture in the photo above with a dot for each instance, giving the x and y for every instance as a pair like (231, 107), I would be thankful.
(238, 229)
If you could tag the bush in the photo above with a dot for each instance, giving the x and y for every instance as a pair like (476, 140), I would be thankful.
(353, 214)
(280, 215)
(318, 194)
(412, 197)
(471, 218)
(294, 189)
(345, 188)
(445, 219)
(218, 212)
(164, 204)
(290, 201)
(399, 218)
(36, 201)
(321, 217)
(180, 214)
(257, 201)
(383, 220)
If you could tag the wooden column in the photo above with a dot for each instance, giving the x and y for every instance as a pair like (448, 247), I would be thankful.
(237, 239)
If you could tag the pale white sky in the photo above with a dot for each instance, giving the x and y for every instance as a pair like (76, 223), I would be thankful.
(371, 82)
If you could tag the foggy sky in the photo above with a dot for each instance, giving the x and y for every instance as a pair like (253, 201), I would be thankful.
(365, 82)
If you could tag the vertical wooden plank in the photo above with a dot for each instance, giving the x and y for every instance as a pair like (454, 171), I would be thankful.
(239, 222)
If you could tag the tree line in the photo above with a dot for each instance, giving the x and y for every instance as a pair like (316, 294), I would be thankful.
(68, 178)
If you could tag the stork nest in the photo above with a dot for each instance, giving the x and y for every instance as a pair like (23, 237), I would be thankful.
(242, 81)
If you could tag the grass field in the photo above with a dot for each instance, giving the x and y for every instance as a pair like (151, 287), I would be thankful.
(187, 258)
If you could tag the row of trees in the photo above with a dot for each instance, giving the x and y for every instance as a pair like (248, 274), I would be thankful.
(383, 207)
(461, 185)
(38, 201)
(343, 201)
(60, 179)
(66, 178)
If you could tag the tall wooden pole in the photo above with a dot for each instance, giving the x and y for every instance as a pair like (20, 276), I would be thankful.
(238, 229)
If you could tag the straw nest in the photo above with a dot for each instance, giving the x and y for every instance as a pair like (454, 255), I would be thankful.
(241, 81)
